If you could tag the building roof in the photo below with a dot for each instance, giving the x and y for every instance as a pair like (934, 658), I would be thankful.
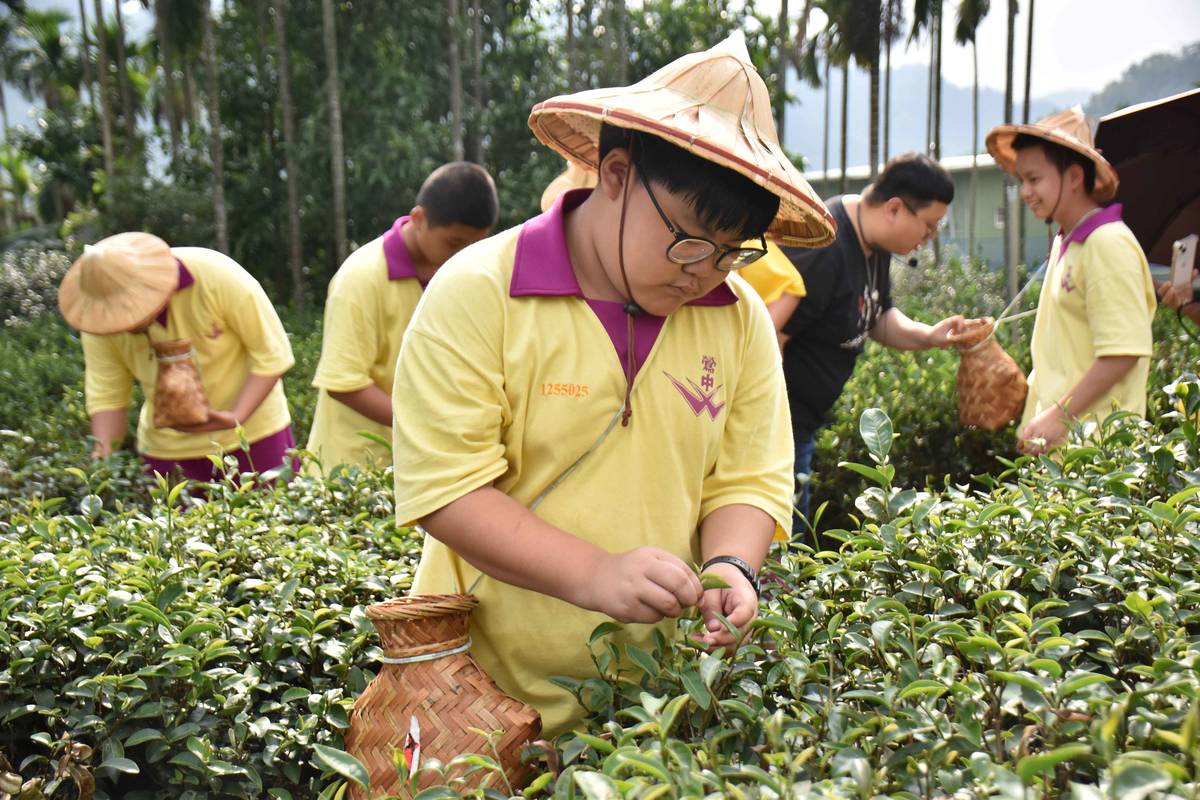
(952, 164)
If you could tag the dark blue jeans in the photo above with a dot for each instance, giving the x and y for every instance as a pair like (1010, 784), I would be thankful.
(804, 455)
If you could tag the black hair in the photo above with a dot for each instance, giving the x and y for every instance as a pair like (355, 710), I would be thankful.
(723, 199)
(460, 193)
(1061, 157)
(915, 178)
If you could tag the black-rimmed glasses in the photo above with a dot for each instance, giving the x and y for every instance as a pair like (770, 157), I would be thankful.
(688, 249)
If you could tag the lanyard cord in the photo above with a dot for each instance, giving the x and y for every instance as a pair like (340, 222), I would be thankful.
(625, 412)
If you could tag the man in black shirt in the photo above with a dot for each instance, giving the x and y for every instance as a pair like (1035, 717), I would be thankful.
(849, 292)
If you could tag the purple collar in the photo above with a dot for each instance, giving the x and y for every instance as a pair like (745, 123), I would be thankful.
(542, 267)
(395, 252)
(1084, 229)
(185, 280)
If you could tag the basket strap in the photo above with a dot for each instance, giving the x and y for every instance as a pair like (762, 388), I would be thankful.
(563, 476)
(174, 359)
(462, 648)
(1005, 315)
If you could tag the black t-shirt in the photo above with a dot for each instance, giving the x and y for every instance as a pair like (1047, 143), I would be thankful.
(845, 297)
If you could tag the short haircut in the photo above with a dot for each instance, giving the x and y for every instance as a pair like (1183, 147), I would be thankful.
(1061, 157)
(915, 178)
(723, 199)
(460, 193)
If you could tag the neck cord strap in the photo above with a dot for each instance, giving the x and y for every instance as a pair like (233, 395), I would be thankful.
(627, 406)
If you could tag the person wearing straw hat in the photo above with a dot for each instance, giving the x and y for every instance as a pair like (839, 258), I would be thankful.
(1092, 338)
(849, 295)
(131, 291)
(588, 404)
(369, 304)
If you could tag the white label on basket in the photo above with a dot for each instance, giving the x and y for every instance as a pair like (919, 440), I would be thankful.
(412, 745)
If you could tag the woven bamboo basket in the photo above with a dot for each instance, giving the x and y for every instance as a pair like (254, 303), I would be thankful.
(991, 387)
(446, 693)
(179, 396)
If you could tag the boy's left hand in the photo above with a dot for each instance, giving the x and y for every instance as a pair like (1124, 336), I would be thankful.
(738, 603)
(1043, 433)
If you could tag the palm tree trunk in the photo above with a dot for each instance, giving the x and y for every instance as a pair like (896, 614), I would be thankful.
(456, 91)
(974, 148)
(781, 69)
(216, 143)
(802, 26)
(937, 84)
(85, 57)
(295, 257)
(1025, 107)
(127, 111)
(263, 79)
(189, 96)
(171, 102)
(1010, 257)
(337, 155)
(845, 107)
(587, 69)
(928, 144)
(937, 110)
(887, 81)
(4, 103)
(569, 6)
(105, 104)
(873, 133)
(475, 130)
(1028, 63)
(11, 212)
(825, 139)
(620, 23)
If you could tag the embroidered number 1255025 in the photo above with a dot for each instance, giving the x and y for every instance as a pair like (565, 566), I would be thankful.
(579, 390)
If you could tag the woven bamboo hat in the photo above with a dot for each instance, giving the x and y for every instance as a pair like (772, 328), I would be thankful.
(713, 104)
(1069, 129)
(118, 283)
(575, 176)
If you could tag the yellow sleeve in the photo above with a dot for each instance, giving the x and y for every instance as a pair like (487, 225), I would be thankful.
(350, 340)
(755, 463)
(1115, 291)
(448, 400)
(773, 275)
(107, 379)
(248, 310)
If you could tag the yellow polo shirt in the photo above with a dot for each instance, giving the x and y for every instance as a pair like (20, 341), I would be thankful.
(234, 331)
(773, 275)
(506, 377)
(1097, 300)
(370, 301)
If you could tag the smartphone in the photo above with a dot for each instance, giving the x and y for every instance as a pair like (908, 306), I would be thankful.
(1183, 261)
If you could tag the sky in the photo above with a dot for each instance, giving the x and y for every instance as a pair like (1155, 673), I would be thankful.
(1077, 44)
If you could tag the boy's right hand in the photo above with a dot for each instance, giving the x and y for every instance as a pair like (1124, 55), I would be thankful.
(644, 585)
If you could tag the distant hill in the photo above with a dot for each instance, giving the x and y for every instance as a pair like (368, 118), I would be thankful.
(1160, 75)
(804, 128)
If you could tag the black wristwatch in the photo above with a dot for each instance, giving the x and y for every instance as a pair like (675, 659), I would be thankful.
(741, 567)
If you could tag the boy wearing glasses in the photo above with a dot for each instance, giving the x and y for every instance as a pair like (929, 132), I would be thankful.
(849, 295)
(589, 404)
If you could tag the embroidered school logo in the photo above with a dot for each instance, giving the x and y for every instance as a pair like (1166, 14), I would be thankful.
(215, 333)
(1066, 284)
(700, 398)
